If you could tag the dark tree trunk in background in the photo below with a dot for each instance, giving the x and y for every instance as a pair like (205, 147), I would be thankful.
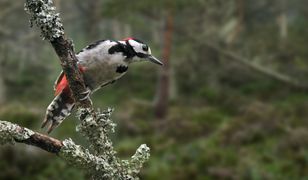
(2, 90)
(116, 29)
(127, 30)
(2, 85)
(120, 30)
(239, 24)
(283, 24)
(94, 15)
(161, 106)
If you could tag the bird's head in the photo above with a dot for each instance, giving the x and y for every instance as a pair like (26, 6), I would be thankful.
(142, 51)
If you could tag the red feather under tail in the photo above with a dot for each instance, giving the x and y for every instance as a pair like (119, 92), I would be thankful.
(63, 83)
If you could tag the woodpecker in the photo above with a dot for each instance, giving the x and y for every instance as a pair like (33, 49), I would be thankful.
(101, 63)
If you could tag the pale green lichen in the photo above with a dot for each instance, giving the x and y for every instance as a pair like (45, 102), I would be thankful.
(100, 160)
(102, 163)
(95, 126)
(139, 158)
(77, 155)
(44, 15)
(10, 132)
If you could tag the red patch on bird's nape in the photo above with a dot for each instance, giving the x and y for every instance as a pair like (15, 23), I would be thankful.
(128, 38)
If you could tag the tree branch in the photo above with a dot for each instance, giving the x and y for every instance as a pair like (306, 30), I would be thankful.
(95, 126)
(268, 72)
(64, 50)
(101, 164)
(43, 14)
(10, 132)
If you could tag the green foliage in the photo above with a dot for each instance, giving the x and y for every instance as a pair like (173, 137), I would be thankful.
(58, 169)
(20, 114)
(19, 163)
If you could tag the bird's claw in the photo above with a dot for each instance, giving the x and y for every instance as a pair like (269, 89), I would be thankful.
(86, 92)
(87, 95)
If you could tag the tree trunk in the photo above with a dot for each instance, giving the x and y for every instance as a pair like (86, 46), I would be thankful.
(161, 105)
(116, 29)
(173, 86)
(94, 16)
(283, 24)
(2, 91)
(239, 24)
(2, 85)
(127, 31)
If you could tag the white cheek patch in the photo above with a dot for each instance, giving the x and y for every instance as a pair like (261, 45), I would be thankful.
(136, 45)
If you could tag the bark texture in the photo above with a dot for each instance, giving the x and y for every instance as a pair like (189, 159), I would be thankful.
(161, 106)
(23, 135)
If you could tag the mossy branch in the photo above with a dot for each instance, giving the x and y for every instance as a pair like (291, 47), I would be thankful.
(100, 166)
(43, 14)
(100, 160)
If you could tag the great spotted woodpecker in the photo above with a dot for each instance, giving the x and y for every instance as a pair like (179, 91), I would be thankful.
(101, 63)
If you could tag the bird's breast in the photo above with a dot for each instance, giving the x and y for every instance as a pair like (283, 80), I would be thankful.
(100, 72)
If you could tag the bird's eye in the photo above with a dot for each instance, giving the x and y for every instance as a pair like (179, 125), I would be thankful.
(145, 48)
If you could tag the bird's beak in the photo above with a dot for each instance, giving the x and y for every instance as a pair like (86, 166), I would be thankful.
(155, 60)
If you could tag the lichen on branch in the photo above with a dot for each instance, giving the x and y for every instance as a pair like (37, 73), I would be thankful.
(10, 132)
(44, 15)
(99, 160)
(96, 128)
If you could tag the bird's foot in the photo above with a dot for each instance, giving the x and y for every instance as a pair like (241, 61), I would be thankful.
(86, 95)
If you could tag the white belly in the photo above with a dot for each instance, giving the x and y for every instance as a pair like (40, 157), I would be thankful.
(99, 72)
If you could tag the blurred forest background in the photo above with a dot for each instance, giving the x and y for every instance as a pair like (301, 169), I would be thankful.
(230, 103)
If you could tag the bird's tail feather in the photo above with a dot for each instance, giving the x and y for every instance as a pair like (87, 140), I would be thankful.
(58, 110)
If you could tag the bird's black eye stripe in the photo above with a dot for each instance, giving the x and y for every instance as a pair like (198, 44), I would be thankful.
(145, 47)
